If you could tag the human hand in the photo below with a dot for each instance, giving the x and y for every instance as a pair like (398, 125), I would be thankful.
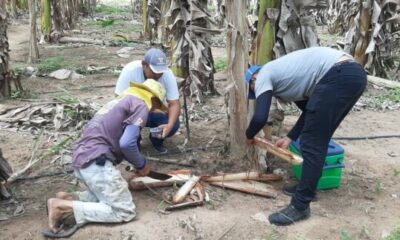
(283, 142)
(250, 142)
(144, 171)
(166, 129)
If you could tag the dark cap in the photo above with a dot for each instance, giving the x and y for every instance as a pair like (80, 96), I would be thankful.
(157, 60)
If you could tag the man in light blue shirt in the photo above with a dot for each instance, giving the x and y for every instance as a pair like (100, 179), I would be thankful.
(155, 66)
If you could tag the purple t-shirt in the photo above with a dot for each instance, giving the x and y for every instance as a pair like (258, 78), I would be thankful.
(102, 134)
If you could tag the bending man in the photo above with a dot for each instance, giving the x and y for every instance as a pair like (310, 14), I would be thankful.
(325, 84)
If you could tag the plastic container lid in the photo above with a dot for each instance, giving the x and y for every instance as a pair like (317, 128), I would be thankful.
(333, 148)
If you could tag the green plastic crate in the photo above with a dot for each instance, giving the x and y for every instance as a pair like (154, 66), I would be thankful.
(332, 172)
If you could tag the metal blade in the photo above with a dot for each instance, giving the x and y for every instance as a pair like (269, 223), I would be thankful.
(159, 176)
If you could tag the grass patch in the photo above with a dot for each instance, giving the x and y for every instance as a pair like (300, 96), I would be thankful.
(54, 63)
(392, 95)
(272, 235)
(394, 235)
(17, 68)
(345, 235)
(106, 23)
(109, 10)
(221, 64)
(386, 98)
(378, 187)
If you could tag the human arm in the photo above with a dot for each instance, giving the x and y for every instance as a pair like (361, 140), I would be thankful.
(129, 147)
(260, 117)
(174, 107)
(174, 110)
(125, 77)
(294, 133)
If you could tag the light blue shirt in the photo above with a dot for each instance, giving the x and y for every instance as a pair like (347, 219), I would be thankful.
(294, 76)
(133, 72)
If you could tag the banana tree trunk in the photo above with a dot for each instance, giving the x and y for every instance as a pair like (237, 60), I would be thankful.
(237, 58)
(22, 4)
(5, 75)
(46, 19)
(178, 14)
(57, 15)
(163, 32)
(33, 48)
(13, 5)
(146, 22)
(365, 33)
(267, 15)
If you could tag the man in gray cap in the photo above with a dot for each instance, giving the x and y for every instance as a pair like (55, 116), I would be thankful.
(155, 66)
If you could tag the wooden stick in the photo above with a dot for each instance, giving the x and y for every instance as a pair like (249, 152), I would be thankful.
(180, 195)
(168, 161)
(242, 176)
(249, 186)
(279, 152)
(184, 205)
(200, 191)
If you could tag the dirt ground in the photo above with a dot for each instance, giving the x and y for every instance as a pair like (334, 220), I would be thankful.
(366, 206)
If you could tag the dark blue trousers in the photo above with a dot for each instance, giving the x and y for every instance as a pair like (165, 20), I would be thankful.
(333, 97)
(157, 119)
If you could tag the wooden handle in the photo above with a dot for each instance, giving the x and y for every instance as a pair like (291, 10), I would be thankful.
(279, 152)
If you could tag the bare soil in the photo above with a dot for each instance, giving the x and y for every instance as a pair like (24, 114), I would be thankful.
(366, 206)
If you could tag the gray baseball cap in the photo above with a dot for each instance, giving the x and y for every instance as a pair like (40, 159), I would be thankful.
(157, 60)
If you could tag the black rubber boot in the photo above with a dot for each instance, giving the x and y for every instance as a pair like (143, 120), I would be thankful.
(291, 190)
(288, 215)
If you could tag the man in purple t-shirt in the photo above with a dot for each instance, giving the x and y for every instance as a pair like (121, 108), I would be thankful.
(111, 136)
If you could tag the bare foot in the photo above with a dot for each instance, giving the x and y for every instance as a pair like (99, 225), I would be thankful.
(54, 214)
(64, 195)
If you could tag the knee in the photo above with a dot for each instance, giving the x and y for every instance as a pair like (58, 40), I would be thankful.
(126, 214)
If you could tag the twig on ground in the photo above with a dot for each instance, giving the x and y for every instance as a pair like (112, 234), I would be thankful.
(45, 175)
(226, 231)
(31, 162)
(158, 195)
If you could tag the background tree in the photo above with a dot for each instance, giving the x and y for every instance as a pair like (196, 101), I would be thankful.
(151, 18)
(22, 4)
(237, 58)
(192, 58)
(12, 4)
(45, 12)
(370, 30)
(5, 173)
(33, 48)
(5, 72)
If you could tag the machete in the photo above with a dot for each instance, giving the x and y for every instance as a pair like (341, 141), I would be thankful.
(159, 176)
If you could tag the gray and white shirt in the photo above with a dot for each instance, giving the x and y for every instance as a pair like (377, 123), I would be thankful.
(294, 76)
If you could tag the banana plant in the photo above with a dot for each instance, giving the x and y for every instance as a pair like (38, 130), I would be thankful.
(191, 56)
(5, 89)
(370, 31)
(45, 19)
